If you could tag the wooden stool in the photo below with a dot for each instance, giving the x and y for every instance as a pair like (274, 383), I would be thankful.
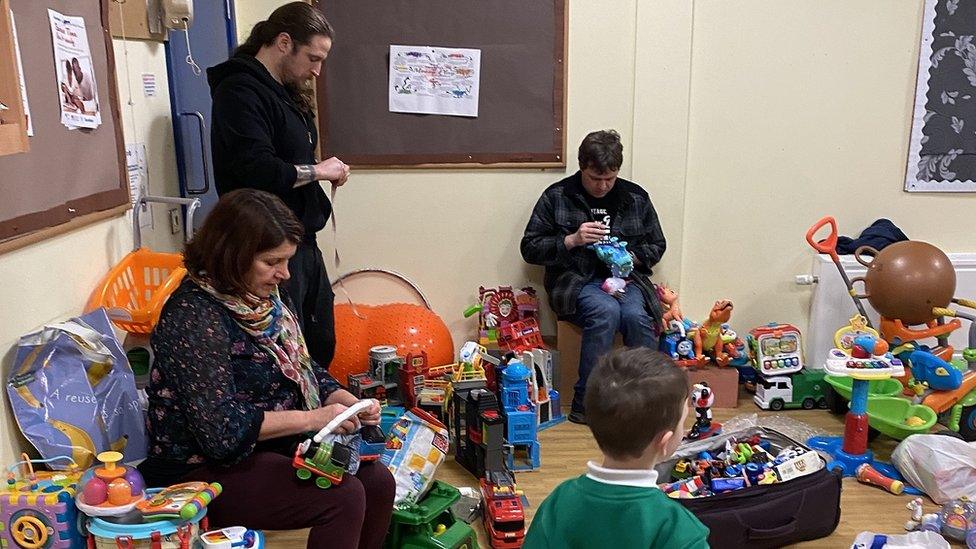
(723, 381)
(568, 336)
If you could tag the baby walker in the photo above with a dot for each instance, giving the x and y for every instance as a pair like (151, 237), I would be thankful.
(863, 356)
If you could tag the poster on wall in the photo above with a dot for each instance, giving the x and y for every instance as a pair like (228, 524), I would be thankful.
(76, 79)
(942, 151)
(434, 80)
(138, 169)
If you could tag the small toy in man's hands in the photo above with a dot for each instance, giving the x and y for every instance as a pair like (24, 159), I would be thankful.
(232, 538)
(702, 398)
(614, 254)
(179, 502)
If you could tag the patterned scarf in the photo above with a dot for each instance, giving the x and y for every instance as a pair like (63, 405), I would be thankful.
(276, 330)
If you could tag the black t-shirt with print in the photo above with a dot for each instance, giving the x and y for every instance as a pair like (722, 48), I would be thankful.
(604, 210)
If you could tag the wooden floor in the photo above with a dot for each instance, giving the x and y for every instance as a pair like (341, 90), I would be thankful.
(567, 447)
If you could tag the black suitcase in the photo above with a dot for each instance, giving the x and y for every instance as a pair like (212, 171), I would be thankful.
(771, 515)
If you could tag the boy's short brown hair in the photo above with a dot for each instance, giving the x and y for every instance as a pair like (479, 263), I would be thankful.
(632, 396)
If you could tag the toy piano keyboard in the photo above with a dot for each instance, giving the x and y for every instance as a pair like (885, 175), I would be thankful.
(840, 363)
(180, 501)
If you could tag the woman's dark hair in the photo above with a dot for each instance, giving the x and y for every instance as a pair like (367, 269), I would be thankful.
(243, 224)
(601, 151)
(301, 21)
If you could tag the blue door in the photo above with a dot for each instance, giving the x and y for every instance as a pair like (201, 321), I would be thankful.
(212, 38)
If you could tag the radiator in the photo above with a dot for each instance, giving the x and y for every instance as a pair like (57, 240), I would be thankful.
(831, 306)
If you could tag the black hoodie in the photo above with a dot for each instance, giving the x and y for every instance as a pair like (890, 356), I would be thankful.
(259, 134)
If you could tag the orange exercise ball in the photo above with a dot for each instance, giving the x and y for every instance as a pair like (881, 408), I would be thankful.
(410, 328)
(906, 280)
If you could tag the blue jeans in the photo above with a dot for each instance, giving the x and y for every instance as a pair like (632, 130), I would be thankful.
(601, 315)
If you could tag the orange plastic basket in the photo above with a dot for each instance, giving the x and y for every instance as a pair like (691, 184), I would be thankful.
(134, 291)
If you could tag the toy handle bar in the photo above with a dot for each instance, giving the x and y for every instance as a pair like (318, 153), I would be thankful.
(829, 244)
(346, 414)
(829, 247)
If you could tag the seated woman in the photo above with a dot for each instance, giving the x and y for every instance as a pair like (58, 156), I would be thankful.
(232, 389)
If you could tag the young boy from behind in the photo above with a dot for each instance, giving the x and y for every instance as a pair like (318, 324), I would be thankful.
(636, 406)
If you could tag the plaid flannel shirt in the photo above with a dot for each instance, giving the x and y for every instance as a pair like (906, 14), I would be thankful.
(560, 211)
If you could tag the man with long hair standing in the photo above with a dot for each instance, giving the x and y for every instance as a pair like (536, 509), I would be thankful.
(264, 137)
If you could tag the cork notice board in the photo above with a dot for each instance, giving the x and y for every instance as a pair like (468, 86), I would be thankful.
(67, 176)
(521, 111)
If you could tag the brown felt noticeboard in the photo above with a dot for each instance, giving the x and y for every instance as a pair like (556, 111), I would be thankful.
(521, 115)
(66, 174)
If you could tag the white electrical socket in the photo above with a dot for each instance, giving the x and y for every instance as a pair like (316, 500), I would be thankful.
(174, 221)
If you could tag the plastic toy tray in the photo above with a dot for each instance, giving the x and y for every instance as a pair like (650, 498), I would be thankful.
(840, 364)
(107, 531)
(887, 411)
(876, 387)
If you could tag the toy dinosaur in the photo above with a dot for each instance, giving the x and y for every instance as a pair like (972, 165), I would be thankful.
(669, 299)
(708, 336)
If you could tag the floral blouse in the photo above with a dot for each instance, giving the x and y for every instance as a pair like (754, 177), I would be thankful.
(209, 387)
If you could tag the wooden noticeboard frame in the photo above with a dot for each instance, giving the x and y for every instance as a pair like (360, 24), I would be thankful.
(521, 121)
(68, 178)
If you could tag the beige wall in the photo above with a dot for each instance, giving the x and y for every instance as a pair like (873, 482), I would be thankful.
(799, 109)
(52, 280)
(452, 231)
(746, 120)
(249, 12)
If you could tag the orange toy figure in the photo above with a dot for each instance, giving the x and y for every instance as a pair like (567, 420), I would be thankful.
(669, 299)
(708, 336)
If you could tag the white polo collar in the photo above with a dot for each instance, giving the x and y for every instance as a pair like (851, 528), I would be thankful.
(639, 478)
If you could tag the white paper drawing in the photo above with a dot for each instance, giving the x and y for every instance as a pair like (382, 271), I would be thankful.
(434, 80)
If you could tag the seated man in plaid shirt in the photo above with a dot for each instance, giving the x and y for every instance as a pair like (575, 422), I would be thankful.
(588, 207)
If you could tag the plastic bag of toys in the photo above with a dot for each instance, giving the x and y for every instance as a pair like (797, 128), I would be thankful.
(73, 393)
(415, 446)
(944, 467)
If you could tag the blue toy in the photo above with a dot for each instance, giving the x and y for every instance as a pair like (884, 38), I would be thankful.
(389, 415)
(676, 343)
(521, 426)
(615, 255)
(932, 370)
(372, 442)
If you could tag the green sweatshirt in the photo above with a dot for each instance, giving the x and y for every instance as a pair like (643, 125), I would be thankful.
(584, 512)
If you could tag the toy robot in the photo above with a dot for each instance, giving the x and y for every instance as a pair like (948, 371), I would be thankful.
(702, 398)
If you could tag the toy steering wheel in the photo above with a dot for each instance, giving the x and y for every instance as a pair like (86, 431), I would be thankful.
(29, 532)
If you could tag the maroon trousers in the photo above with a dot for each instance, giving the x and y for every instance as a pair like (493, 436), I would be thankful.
(263, 493)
